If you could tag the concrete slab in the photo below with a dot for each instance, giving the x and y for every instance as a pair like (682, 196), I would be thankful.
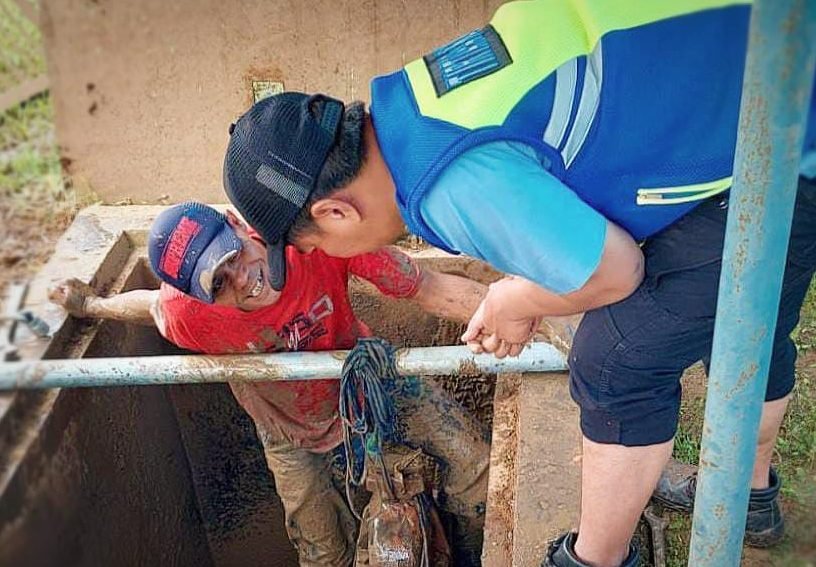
(501, 498)
(548, 466)
(533, 493)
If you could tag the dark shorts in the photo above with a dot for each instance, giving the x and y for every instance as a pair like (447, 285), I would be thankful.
(627, 358)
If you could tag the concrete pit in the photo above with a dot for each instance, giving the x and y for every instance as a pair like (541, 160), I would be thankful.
(174, 475)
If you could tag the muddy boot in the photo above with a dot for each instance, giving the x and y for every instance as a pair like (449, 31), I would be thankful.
(561, 553)
(764, 526)
(676, 488)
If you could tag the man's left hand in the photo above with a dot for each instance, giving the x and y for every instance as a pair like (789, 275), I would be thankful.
(495, 328)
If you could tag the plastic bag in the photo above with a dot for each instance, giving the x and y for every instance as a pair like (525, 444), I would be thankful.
(395, 535)
(401, 527)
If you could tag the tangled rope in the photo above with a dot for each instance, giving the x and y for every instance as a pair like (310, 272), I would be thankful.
(366, 409)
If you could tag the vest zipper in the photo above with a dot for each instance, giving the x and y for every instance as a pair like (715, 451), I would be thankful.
(682, 193)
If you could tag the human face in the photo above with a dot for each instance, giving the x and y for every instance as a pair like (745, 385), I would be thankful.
(243, 281)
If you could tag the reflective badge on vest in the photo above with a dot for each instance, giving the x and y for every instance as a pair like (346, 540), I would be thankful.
(472, 56)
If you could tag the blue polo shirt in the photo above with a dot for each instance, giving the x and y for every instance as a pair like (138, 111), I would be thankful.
(498, 203)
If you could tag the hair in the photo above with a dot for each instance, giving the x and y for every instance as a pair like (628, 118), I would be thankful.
(343, 164)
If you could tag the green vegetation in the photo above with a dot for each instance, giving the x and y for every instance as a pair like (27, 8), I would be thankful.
(30, 176)
(35, 205)
(795, 457)
(21, 55)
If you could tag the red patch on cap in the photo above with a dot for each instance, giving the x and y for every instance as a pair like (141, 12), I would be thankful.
(177, 246)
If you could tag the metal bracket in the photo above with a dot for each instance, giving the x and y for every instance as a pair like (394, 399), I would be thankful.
(10, 319)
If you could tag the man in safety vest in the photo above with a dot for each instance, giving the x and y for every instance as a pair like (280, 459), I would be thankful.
(585, 149)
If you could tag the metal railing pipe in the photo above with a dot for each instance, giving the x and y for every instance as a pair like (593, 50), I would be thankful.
(776, 91)
(186, 369)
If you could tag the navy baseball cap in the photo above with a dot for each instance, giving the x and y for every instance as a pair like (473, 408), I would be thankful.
(187, 245)
(275, 154)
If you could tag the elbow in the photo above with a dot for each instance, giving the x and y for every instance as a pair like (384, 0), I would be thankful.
(623, 266)
(614, 281)
(629, 279)
(423, 292)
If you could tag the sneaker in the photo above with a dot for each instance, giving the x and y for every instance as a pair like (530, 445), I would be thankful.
(764, 525)
(561, 553)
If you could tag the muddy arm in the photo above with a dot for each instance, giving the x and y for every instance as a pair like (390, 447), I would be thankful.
(449, 296)
(80, 300)
(456, 298)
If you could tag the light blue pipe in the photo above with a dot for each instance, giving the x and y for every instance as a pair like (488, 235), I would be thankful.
(186, 369)
(778, 78)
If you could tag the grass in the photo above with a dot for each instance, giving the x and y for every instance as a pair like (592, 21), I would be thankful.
(35, 203)
(795, 457)
(29, 163)
(21, 54)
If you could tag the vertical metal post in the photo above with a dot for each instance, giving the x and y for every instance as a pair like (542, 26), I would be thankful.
(778, 78)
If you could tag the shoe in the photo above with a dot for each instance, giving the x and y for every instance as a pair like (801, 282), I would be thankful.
(561, 553)
(764, 525)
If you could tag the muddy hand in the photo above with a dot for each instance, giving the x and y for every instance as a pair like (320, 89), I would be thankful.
(473, 335)
(72, 295)
(489, 332)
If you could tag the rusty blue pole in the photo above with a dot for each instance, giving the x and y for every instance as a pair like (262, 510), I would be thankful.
(778, 77)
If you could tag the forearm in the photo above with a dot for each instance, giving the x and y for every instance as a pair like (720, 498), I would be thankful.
(132, 306)
(520, 298)
(619, 274)
(449, 296)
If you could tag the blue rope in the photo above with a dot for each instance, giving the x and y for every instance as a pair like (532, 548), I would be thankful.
(366, 409)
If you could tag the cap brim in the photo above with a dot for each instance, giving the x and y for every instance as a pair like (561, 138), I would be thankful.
(276, 255)
(222, 247)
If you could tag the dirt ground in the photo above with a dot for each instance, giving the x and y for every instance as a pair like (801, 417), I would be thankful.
(795, 459)
(25, 242)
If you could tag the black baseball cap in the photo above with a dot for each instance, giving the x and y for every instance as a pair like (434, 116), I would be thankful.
(274, 157)
(187, 244)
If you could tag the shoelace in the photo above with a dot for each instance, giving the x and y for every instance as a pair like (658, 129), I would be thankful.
(691, 487)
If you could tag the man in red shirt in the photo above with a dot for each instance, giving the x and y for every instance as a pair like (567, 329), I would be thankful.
(219, 296)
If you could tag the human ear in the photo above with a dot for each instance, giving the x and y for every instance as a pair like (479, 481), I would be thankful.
(332, 210)
(234, 221)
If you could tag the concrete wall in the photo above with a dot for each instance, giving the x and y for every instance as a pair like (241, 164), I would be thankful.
(144, 91)
(142, 476)
(106, 481)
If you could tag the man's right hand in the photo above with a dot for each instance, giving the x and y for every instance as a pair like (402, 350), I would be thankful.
(73, 295)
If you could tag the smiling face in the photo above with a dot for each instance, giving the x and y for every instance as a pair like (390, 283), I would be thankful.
(243, 280)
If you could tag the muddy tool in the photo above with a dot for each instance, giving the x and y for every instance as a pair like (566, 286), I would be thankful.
(657, 527)
(11, 319)
(400, 527)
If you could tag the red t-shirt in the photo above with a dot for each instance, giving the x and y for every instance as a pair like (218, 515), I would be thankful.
(312, 313)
